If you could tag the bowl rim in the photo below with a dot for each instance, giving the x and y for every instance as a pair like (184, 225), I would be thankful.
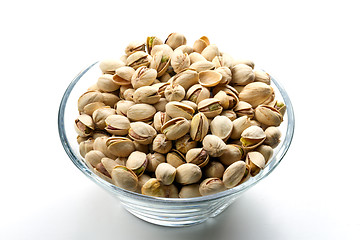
(227, 193)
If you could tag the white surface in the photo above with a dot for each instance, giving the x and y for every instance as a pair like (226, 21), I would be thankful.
(312, 47)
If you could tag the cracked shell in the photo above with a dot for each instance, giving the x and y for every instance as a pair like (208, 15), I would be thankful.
(175, 128)
(134, 46)
(143, 76)
(222, 127)
(165, 173)
(268, 116)
(120, 146)
(197, 156)
(108, 66)
(257, 93)
(137, 162)
(146, 94)
(177, 109)
(117, 125)
(211, 186)
(197, 93)
(234, 174)
(175, 40)
(124, 178)
(84, 125)
(138, 59)
(123, 75)
(209, 78)
(142, 132)
(214, 145)
(256, 161)
(141, 112)
(199, 127)
(242, 74)
(175, 158)
(252, 137)
(188, 173)
(210, 107)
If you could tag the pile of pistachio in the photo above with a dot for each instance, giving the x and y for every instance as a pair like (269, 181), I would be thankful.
(172, 120)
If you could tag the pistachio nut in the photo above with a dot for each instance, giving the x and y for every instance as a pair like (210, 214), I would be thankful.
(252, 137)
(261, 76)
(142, 132)
(161, 144)
(256, 93)
(234, 174)
(151, 42)
(101, 171)
(124, 178)
(175, 128)
(185, 49)
(222, 127)
(184, 144)
(188, 173)
(122, 90)
(146, 94)
(128, 94)
(134, 46)
(190, 104)
(154, 159)
(240, 124)
(141, 181)
(180, 61)
(160, 62)
(159, 119)
(200, 44)
(117, 125)
(93, 157)
(209, 78)
(280, 106)
(166, 49)
(122, 106)
(229, 114)
(225, 60)
(273, 135)
(266, 151)
(109, 164)
(121, 161)
(244, 61)
(214, 145)
(228, 100)
(202, 66)
(171, 191)
(175, 40)
(165, 77)
(210, 52)
(242, 74)
(143, 76)
(153, 187)
(160, 105)
(161, 88)
(189, 191)
(244, 109)
(232, 153)
(86, 146)
(174, 92)
(100, 114)
(165, 173)
(106, 84)
(94, 87)
(175, 158)
(123, 75)
(186, 78)
(268, 116)
(141, 147)
(211, 186)
(141, 112)
(199, 127)
(225, 73)
(110, 99)
(197, 93)
(214, 169)
(108, 66)
(138, 59)
(84, 125)
(196, 57)
(229, 90)
(210, 107)
(120, 146)
(177, 109)
(87, 98)
(197, 156)
(256, 161)
(137, 162)
(90, 108)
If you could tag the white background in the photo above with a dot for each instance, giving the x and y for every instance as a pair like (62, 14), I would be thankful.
(311, 47)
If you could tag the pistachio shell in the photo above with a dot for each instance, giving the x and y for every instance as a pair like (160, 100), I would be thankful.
(141, 112)
(90, 108)
(261, 76)
(161, 144)
(175, 128)
(184, 144)
(141, 132)
(190, 104)
(244, 61)
(138, 59)
(110, 99)
(159, 119)
(273, 135)
(84, 125)
(186, 78)
(185, 49)
(123, 75)
(154, 159)
(234, 174)
(177, 109)
(124, 178)
(239, 125)
(151, 42)
(188, 173)
(202, 66)
(231, 154)
(93, 157)
(120, 146)
(106, 84)
(210, 52)
(117, 124)
(214, 169)
(225, 60)
(225, 73)
(266, 151)
(89, 97)
(214, 145)
(160, 106)
(229, 114)
(199, 127)
(174, 92)
(143, 76)
(268, 115)
(146, 94)
(180, 61)
(200, 44)
(165, 173)
(210, 107)
(252, 137)
(166, 49)
(123, 106)
(209, 78)
(108, 66)
(256, 161)
(175, 158)
(100, 171)
(197, 156)
(100, 114)
(175, 40)
(256, 93)
(242, 74)
(222, 127)
(153, 187)
(197, 93)
(190, 191)
(211, 186)
(244, 109)
(134, 46)
(100, 145)
(137, 162)
(109, 164)
(160, 62)
(196, 57)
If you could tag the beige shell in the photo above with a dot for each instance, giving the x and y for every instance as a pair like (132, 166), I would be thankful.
(199, 127)
(160, 62)
(185, 49)
(134, 46)
(123, 106)
(256, 93)
(87, 98)
(177, 109)
(210, 52)
(273, 135)
(138, 59)
(175, 40)
(146, 94)
(137, 162)
(108, 66)
(214, 169)
(151, 42)
(123, 75)
(143, 76)
(186, 78)
(174, 92)
(180, 61)
(188, 173)
(106, 84)
(202, 66)
(196, 57)
(242, 74)
(200, 44)
(234, 174)
(244, 61)
(141, 112)
(175, 128)
(261, 76)
(268, 115)
(159, 119)
(175, 158)
(160, 105)
(231, 154)
(124, 178)
(211, 186)
(100, 145)
(100, 114)
(165, 173)
(252, 137)
(209, 78)
(240, 124)
(197, 93)
(225, 60)
(120, 146)
(184, 144)
(256, 161)
(189, 191)
(84, 125)
(117, 124)
(226, 75)
(161, 144)
(244, 109)
(154, 159)
(222, 127)
(210, 107)
(142, 132)
(197, 156)
(214, 145)
(110, 99)
(266, 151)
(93, 157)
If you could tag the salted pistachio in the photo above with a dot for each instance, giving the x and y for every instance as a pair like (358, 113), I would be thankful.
(160, 105)
(223, 60)
(186, 78)
(266, 151)
(175, 158)
(87, 98)
(252, 137)
(232, 153)
(202, 66)
(177, 109)
(242, 74)
(138, 59)
(234, 174)
(161, 88)
(122, 90)
(222, 127)
(240, 124)
(190, 191)
(137, 162)
(210, 107)
(84, 125)
(227, 100)
(229, 114)
(90, 108)
(210, 52)
(214, 145)
(93, 157)
(160, 62)
(244, 61)
(94, 87)
(154, 159)
(209, 78)
(141, 181)
(166, 49)
(200, 44)
(190, 104)
(141, 147)
(100, 114)
(134, 46)
(120, 146)
(101, 171)
(165, 173)
(184, 144)
(161, 144)
(188, 173)
(142, 132)
(99, 133)
(261, 76)
(106, 84)
(86, 146)
(109, 99)
(214, 169)
(117, 125)
(280, 106)
(155, 188)
(141, 112)
(175, 128)
(165, 77)
(124, 178)
(197, 156)
(128, 94)
(244, 109)
(199, 127)
(256, 93)
(174, 92)
(197, 93)
(122, 106)
(143, 76)
(151, 42)
(268, 116)
(159, 119)
(211, 186)
(175, 40)
(196, 57)
(123, 75)
(273, 135)
(256, 161)
(225, 73)
(179, 61)
(109, 164)
(230, 90)
(121, 161)
(185, 49)
(108, 66)
(146, 94)
(100, 145)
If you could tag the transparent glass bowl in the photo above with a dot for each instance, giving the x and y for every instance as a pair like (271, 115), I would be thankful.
(163, 211)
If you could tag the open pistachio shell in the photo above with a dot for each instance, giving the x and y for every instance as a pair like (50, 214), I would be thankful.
(106, 84)
(225, 60)
(214, 169)
(199, 127)
(268, 115)
(138, 59)
(142, 132)
(190, 191)
(93, 157)
(180, 61)
(234, 174)
(122, 106)
(161, 144)
(244, 109)
(186, 78)
(146, 94)
(210, 107)
(123, 75)
(101, 171)
(154, 159)
(84, 125)
(184, 144)
(100, 114)
(242, 74)
(109, 164)
(153, 187)
(239, 125)
(256, 161)
(137, 162)
(175, 128)
(197, 93)
(117, 124)
(160, 105)
(214, 145)
(175, 40)
(197, 156)
(188, 173)
(231, 154)
(120, 146)
(222, 127)
(252, 137)
(266, 151)
(141, 112)
(200, 44)
(165, 173)
(143, 76)
(90, 108)
(89, 97)
(280, 106)
(108, 66)
(256, 93)
(177, 109)
(175, 158)
(125, 178)
(261, 76)
(151, 42)
(160, 62)
(196, 57)
(202, 66)
(244, 61)
(134, 46)
(209, 78)
(210, 52)
(211, 186)
(100, 144)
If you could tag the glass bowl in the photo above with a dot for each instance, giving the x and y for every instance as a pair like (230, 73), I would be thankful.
(174, 212)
